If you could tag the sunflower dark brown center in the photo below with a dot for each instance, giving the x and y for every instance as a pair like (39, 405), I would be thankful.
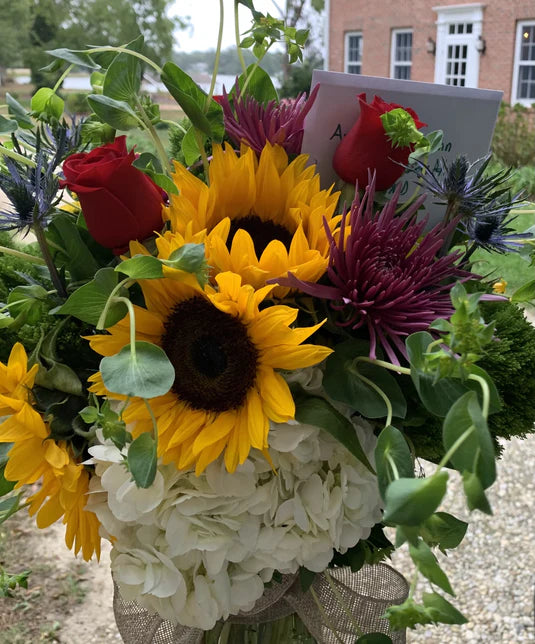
(215, 361)
(262, 232)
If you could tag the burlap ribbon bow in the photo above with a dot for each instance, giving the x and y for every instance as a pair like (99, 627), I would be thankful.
(340, 602)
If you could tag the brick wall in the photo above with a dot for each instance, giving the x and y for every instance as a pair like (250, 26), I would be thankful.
(376, 19)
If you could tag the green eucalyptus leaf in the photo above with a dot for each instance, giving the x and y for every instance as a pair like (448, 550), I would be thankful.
(374, 638)
(142, 460)
(5, 486)
(312, 410)
(75, 57)
(260, 85)
(475, 494)
(7, 125)
(526, 293)
(188, 95)
(4, 452)
(123, 77)
(427, 564)
(190, 148)
(19, 113)
(443, 530)
(476, 451)
(342, 382)
(88, 302)
(141, 267)
(73, 252)
(392, 447)
(164, 182)
(118, 114)
(306, 578)
(8, 507)
(145, 372)
(440, 610)
(411, 501)
(46, 101)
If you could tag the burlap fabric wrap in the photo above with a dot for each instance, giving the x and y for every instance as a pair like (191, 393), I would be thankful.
(366, 593)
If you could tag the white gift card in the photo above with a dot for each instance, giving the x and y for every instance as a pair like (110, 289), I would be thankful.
(466, 116)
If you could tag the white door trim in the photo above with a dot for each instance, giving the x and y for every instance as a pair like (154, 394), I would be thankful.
(453, 14)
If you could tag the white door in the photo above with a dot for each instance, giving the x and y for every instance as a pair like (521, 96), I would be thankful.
(458, 36)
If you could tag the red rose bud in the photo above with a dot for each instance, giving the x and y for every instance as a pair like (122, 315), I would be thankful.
(120, 203)
(383, 137)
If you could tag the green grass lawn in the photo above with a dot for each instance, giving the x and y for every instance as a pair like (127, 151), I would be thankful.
(511, 267)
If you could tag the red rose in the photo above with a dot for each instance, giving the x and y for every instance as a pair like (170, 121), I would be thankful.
(120, 203)
(366, 147)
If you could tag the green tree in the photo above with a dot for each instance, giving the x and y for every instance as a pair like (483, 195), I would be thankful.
(14, 28)
(77, 24)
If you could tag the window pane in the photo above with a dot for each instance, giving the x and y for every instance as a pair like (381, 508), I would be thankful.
(353, 69)
(402, 72)
(452, 29)
(469, 28)
(460, 29)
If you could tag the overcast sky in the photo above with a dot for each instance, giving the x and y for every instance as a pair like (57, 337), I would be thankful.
(205, 22)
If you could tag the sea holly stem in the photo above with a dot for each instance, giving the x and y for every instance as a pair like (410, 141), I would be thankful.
(393, 465)
(21, 255)
(45, 251)
(17, 157)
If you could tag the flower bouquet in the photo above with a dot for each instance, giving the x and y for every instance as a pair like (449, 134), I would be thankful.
(228, 372)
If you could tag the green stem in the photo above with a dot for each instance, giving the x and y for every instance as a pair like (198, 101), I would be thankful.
(324, 615)
(62, 78)
(118, 287)
(416, 192)
(152, 416)
(132, 321)
(393, 465)
(359, 632)
(173, 124)
(484, 390)
(254, 68)
(124, 50)
(217, 55)
(432, 345)
(375, 387)
(385, 365)
(413, 585)
(149, 127)
(454, 447)
(45, 252)
(200, 145)
(17, 157)
(225, 633)
(21, 255)
(237, 35)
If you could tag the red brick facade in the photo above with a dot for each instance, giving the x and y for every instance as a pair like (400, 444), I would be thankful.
(376, 19)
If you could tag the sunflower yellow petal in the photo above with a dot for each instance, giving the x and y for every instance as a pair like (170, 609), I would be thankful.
(276, 396)
(289, 357)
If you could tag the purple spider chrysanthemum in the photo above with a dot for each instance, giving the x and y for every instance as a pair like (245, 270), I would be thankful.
(252, 123)
(385, 274)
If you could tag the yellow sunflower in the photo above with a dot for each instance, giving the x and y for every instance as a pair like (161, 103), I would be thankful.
(16, 381)
(64, 483)
(34, 456)
(260, 218)
(225, 352)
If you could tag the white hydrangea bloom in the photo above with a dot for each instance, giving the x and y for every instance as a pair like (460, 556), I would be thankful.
(198, 549)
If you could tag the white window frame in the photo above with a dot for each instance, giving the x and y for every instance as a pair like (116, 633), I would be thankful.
(522, 24)
(455, 13)
(348, 62)
(399, 63)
